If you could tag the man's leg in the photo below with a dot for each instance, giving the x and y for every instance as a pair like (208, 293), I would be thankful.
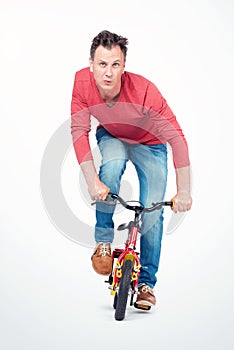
(114, 159)
(151, 166)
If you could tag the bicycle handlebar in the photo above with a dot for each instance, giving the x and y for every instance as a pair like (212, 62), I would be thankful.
(140, 207)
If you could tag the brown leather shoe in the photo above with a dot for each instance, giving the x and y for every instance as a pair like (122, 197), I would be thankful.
(101, 259)
(145, 296)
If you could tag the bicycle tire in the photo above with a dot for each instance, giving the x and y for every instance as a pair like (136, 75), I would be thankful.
(115, 300)
(123, 290)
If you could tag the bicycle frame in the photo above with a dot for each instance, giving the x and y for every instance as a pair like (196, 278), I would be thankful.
(128, 253)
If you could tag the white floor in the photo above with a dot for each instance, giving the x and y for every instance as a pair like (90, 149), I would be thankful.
(49, 296)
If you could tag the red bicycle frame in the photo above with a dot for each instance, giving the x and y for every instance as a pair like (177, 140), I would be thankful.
(128, 253)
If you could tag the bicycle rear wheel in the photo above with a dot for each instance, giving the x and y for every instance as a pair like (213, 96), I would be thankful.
(123, 290)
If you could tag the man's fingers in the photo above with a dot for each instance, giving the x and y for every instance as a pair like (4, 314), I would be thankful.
(181, 205)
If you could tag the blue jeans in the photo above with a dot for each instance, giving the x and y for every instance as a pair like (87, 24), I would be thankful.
(150, 162)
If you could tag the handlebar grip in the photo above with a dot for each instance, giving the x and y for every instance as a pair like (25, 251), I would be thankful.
(172, 204)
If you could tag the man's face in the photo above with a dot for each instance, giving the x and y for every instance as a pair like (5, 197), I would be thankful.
(107, 67)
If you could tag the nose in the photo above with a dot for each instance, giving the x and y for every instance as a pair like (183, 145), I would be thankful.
(108, 72)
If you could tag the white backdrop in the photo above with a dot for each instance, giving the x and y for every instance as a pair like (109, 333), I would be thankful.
(49, 297)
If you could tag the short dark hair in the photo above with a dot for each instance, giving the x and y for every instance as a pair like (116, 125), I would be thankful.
(109, 40)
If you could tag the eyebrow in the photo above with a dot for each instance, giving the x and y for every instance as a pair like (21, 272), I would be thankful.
(102, 60)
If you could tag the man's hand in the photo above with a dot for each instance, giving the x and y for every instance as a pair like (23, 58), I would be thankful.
(98, 190)
(182, 201)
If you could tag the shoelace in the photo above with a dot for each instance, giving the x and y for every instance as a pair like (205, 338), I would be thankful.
(103, 250)
(147, 289)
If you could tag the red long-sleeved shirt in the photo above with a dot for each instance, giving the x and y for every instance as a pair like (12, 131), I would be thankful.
(141, 115)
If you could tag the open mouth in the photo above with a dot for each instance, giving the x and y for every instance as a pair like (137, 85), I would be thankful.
(107, 82)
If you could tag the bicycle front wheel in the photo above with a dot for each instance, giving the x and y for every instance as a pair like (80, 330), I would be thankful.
(123, 290)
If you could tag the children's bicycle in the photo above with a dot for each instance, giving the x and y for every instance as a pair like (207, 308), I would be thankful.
(124, 277)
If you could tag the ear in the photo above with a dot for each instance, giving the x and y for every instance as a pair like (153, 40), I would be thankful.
(91, 64)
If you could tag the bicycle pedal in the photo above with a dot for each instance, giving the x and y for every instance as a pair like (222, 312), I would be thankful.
(142, 307)
(110, 280)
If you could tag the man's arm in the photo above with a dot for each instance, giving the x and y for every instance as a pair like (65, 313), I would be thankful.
(97, 189)
(182, 200)
(80, 128)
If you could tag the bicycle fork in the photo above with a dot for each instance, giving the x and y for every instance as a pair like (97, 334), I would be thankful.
(120, 256)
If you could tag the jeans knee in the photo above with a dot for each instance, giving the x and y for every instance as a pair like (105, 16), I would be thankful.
(112, 171)
(152, 222)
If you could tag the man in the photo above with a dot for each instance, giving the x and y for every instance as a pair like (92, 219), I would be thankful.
(135, 125)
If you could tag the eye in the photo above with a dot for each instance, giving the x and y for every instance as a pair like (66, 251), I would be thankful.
(102, 64)
(116, 64)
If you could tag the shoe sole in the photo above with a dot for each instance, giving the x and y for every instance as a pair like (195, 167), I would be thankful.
(144, 303)
(142, 307)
